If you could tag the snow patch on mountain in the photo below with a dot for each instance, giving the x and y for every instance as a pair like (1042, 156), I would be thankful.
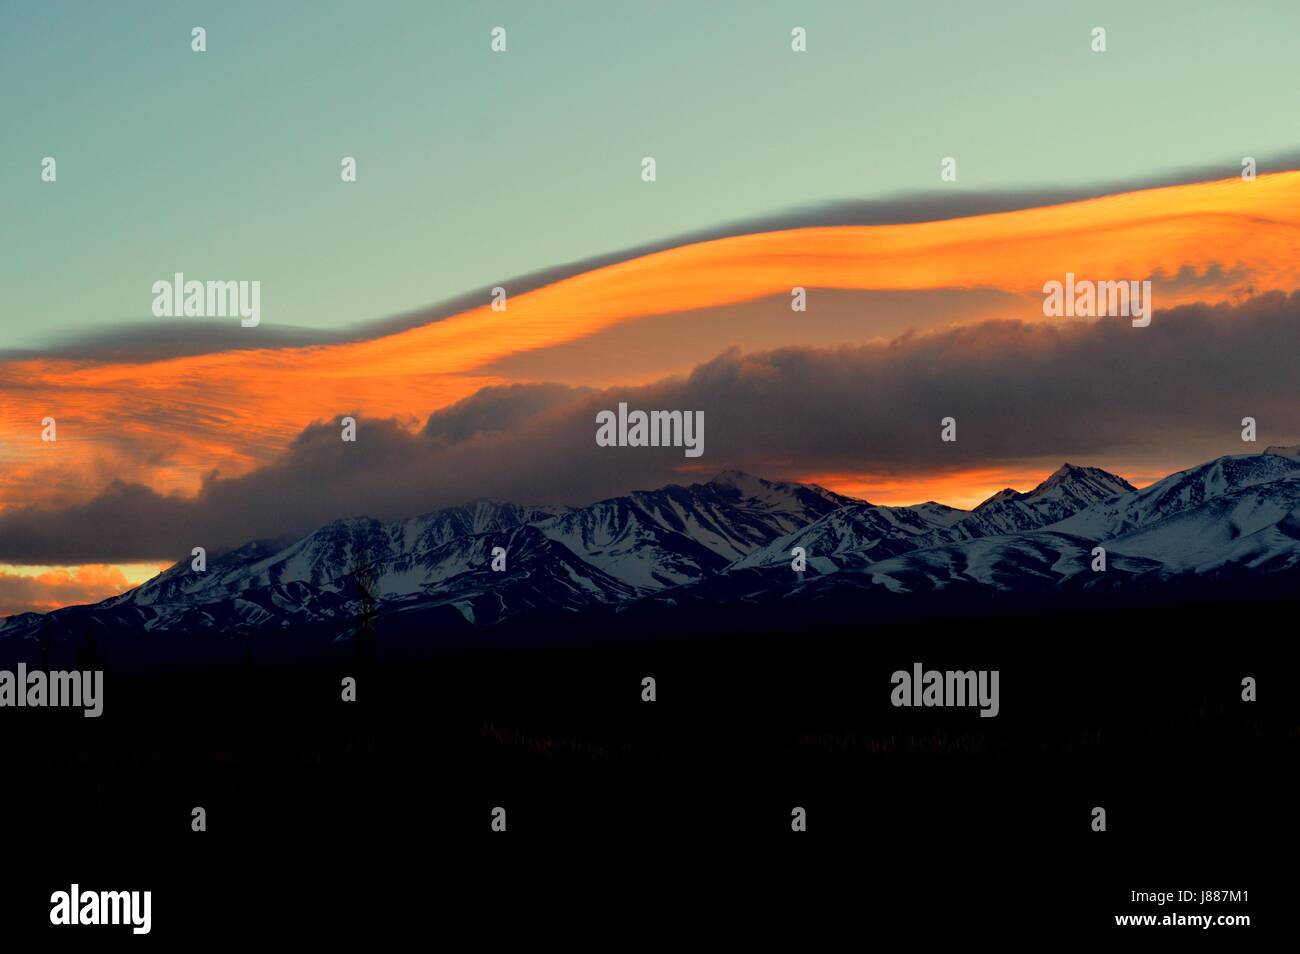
(726, 540)
(857, 535)
(1175, 493)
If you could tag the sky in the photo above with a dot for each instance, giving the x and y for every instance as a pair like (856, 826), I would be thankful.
(475, 168)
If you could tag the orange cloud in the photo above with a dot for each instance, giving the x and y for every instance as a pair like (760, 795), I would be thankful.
(42, 589)
(168, 423)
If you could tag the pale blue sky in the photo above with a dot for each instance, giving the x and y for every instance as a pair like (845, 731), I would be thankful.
(475, 167)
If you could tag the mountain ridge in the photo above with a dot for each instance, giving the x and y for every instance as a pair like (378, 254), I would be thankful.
(489, 560)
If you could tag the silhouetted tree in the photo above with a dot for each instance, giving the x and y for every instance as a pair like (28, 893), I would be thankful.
(363, 640)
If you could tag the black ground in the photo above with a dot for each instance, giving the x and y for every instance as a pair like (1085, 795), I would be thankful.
(342, 805)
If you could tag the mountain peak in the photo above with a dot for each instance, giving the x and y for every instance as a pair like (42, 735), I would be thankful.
(1068, 470)
(1234, 510)
(1278, 450)
(1006, 493)
(1067, 490)
(746, 486)
(732, 477)
(1070, 477)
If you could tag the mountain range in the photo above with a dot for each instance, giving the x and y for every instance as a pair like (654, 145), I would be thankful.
(720, 544)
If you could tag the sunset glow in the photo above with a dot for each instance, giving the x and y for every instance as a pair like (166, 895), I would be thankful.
(168, 423)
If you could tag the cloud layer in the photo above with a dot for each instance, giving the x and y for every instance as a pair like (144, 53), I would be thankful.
(165, 421)
(1078, 390)
(59, 586)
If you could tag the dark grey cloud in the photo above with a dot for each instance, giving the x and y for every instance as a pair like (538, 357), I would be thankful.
(495, 409)
(1063, 390)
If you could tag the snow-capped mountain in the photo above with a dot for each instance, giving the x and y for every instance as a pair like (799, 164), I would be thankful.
(720, 543)
(859, 535)
(1066, 492)
(1013, 562)
(854, 536)
(1256, 527)
(1238, 510)
(325, 560)
(654, 539)
(1176, 493)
